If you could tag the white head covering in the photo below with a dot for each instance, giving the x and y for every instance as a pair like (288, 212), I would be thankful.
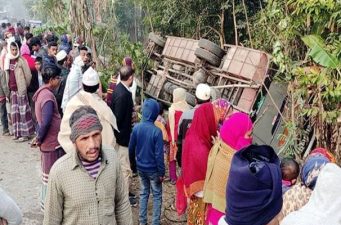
(9, 55)
(90, 77)
(203, 92)
(324, 204)
(61, 55)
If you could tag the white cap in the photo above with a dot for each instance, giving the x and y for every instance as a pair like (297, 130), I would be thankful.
(203, 92)
(61, 55)
(90, 77)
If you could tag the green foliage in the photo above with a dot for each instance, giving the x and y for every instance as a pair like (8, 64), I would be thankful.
(319, 53)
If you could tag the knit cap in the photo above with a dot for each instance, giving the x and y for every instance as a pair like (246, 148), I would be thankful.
(83, 121)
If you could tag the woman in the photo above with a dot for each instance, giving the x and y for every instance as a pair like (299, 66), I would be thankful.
(49, 124)
(19, 77)
(254, 189)
(235, 134)
(34, 85)
(297, 196)
(325, 202)
(198, 143)
(175, 111)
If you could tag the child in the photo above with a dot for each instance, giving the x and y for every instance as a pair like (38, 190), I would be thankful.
(146, 148)
(161, 123)
(290, 171)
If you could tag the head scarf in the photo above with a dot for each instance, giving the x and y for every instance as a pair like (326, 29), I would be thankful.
(324, 204)
(234, 129)
(127, 61)
(254, 190)
(325, 152)
(221, 109)
(311, 169)
(198, 143)
(180, 105)
(9, 55)
(25, 50)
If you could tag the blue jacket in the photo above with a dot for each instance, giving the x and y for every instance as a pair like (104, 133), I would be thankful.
(146, 142)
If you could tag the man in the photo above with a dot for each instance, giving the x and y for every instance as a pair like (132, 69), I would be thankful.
(52, 49)
(74, 80)
(122, 106)
(89, 97)
(202, 95)
(35, 45)
(86, 185)
(61, 58)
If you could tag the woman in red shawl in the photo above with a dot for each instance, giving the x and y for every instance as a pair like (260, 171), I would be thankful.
(198, 143)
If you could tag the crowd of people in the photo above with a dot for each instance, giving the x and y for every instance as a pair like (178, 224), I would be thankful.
(92, 144)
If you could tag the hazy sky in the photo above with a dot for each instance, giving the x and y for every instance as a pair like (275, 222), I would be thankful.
(16, 8)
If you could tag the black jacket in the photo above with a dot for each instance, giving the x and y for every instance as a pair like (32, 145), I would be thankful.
(122, 106)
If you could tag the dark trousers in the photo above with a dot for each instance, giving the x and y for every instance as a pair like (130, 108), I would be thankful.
(3, 116)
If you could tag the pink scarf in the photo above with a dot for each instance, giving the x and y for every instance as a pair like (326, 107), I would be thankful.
(234, 129)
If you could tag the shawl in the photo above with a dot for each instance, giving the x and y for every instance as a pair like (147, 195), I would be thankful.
(196, 148)
(311, 169)
(295, 198)
(9, 55)
(179, 104)
(254, 190)
(232, 135)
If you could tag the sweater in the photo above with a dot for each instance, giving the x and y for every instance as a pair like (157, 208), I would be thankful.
(146, 143)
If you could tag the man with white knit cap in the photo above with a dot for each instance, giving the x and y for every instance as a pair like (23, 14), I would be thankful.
(202, 95)
(88, 97)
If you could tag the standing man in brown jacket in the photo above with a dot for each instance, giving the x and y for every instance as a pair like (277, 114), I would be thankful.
(18, 78)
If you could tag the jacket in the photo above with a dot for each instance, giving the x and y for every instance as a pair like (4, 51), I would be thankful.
(146, 143)
(104, 113)
(23, 77)
(122, 106)
(76, 198)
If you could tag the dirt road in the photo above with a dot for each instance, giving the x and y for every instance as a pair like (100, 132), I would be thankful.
(20, 178)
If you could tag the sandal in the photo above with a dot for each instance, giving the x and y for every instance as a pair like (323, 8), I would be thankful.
(15, 138)
(22, 139)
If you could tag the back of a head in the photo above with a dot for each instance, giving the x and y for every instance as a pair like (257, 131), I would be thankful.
(254, 190)
(150, 110)
(290, 169)
(203, 93)
(35, 41)
(90, 80)
(126, 72)
(50, 71)
(179, 94)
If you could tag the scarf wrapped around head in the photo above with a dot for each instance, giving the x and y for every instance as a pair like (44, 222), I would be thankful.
(198, 143)
(254, 190)
(83, 121)
(179, 104)
(234, 129)
(221, 109)
(9, 55)
(312, 167)
(25, 50)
